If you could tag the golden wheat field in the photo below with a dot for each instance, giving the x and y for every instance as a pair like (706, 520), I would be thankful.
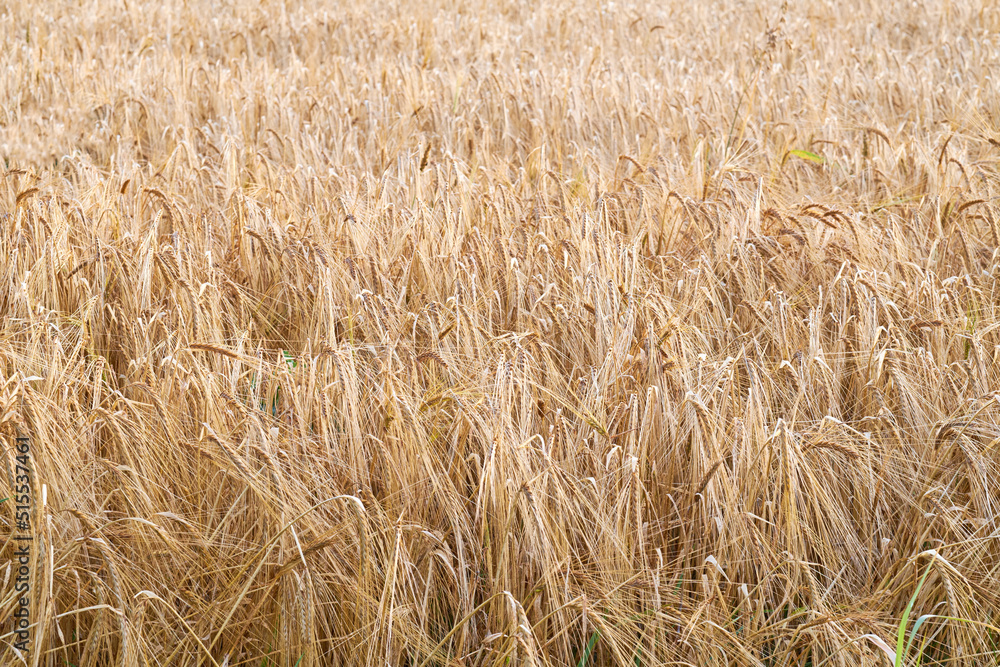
(496, 333)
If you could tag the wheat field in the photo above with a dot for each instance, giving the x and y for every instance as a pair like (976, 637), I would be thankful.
(501, 333)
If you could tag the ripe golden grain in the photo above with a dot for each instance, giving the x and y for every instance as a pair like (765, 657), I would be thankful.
(502, 333)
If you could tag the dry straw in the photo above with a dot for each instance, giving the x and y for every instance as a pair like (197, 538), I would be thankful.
(549, 333)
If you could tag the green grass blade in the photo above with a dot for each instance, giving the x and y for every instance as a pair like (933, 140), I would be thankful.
(901, 632)
(913, 632)
(806, 155)
(589, 650)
